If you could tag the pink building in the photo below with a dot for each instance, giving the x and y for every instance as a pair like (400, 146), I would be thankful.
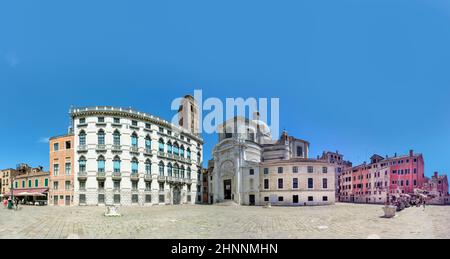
(437, 189)
(370, 183)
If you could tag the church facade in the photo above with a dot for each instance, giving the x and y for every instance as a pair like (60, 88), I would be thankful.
(252, 169)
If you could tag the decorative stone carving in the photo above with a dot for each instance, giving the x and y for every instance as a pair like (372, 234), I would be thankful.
(112, 211)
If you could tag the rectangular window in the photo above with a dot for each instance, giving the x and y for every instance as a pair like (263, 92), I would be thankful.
(148, 125)
(295, 183)
(116, 120)
(117, 198)
(281, 198)
(36, 183)
(67, 185)
(324, 183)
(295, 169)
(252, 172)
(280, 170)
(82, 198)
(68, 168)
(29, 183)
(325, 170)
(56, 169)
(134, 198)
(45, 183)
(148, 198)
(56, 147)
(134, 123)
(310, 198)
(266, 184)
(101, 198)
(82, 185)
(101, 119)
(134, 185)
(82, 120)
(325, 198)
(280, 183)
(310, 169)
(266, 199)
(16, 185)
(266, 170)
(310, 183)
(55, 185)
(116, 185)
(295, 199)
(23, 184)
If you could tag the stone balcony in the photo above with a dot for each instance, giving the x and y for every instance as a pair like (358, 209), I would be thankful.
(161, 178)
(116, 148)
(101, 176)
(148, 152)
(134, 176)
(117, 176)
(101, 148)
(82, 176)
(134, 150)
(147, 177)
(174, 157)
(82, 148)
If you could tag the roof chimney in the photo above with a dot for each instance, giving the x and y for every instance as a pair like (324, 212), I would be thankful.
(411, 153)
(436, 174)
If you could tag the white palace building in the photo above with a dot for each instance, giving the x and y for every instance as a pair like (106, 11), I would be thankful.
(126, 157)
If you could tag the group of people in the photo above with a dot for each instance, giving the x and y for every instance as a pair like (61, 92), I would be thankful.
(11, 204)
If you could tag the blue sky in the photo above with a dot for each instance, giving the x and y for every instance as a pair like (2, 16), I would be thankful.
(360, 77)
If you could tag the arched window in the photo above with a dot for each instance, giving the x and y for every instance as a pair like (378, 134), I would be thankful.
(101, 164)
(82, 137)
(188, 153)
(199, 157)
(188, 172)
(169, 170)
(134, 140)
(176, 171)
(82, 164)
(176, 150)
(182, 172)
(182, 151)
(101, 137)
(148, 143)
(169, 147)
(134, 166)
(161, 168)
(161, 145)
(116, 163)
(148, 167)
(116, 138)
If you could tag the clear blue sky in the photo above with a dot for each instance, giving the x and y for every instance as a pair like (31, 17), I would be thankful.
(360, 77)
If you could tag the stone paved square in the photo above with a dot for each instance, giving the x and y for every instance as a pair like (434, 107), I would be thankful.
(225, 222)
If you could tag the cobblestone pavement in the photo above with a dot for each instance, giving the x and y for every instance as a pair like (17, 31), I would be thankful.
(203, 221)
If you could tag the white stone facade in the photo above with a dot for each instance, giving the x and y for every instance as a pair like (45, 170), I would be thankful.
(246, 157)
(133, 138)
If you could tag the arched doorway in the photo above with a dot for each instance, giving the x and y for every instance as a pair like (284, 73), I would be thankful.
(176, 195)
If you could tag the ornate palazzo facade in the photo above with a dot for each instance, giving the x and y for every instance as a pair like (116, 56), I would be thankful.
(126, 157)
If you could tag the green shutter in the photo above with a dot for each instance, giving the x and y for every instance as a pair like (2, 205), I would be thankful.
(36, 183)
(29, 183)
(46, 182)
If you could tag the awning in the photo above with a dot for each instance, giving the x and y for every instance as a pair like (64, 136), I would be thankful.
(31, 192)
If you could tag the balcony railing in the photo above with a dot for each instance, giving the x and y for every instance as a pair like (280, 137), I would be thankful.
(82, 175)
(147, 177)
(148, 152)
(101, 147)
(161, 178)
(134, 150)
(134, 176)
(101, 175)
(116, 176)
(82, 148)
(116, 148)
(174, 157)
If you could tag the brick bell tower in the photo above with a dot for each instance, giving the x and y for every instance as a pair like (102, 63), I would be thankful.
(188, 115)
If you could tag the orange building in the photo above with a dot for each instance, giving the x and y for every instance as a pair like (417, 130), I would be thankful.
(61, 170)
